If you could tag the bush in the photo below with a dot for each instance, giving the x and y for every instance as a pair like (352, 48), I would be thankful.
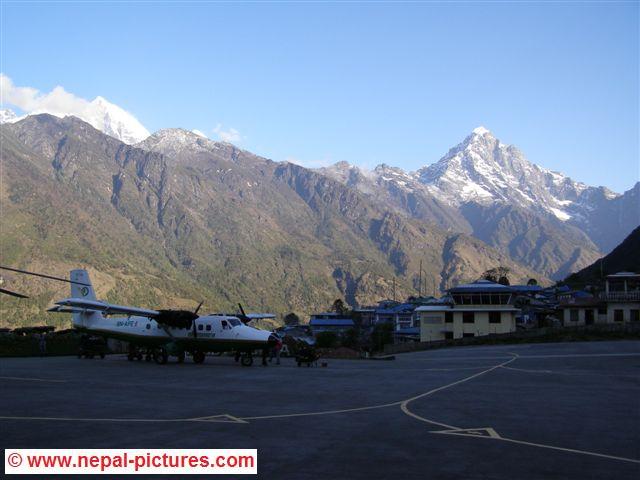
(27, 345)
(326, 340)
(382, 335)
(350, 338)
(291, 319)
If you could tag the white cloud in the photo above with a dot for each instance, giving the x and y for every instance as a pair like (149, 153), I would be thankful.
(57, 102)
(230, 135)
(198, 132)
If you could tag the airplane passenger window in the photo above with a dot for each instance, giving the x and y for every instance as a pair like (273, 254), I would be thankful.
(208, 328)
(148, 326)
(225, 324)
(200, 327)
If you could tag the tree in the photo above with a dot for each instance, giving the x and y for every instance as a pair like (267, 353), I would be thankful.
(339, 307)
(350, 338)
(497, 275)
(291, 319)
(326, 339)
(382, 335)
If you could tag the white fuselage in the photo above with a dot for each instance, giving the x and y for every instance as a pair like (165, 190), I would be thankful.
(210, 332)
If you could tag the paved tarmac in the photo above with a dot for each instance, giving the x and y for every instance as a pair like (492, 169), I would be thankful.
(540, 411)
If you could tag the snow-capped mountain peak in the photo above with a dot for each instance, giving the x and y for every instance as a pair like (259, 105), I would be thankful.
(484, 170)
(481, 130)
(114, 121)
(8, 116)
(99, 113)
(177, 141)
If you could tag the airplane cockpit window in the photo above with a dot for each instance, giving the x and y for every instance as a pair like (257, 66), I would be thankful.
(225, 325)
(234, 321)
(200, 327)
(208, 328)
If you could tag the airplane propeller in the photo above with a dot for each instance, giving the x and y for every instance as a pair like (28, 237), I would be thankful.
(13, 294)
(242, 315)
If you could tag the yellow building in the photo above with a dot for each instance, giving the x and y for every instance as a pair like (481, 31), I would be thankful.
(476, 309)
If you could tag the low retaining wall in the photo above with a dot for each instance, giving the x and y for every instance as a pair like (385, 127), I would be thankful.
(606, 331)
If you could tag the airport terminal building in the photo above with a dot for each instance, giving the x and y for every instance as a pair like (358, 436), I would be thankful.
(476, 309)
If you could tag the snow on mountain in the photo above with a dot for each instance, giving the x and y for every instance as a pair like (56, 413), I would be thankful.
(8, 116)
(114, 121)
(178, 141)
(99, 113)
(484, 170)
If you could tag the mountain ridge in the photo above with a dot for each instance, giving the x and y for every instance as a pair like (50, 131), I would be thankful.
(220, 225)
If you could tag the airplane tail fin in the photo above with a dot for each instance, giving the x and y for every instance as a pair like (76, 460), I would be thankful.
(83, 289)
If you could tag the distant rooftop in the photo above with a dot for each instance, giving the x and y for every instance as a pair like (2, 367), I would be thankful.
(623, 275)
(480, 285)
(331, 322)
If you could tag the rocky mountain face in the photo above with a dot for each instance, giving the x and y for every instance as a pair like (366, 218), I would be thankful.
(623, 258)
(177, 218)
(488, 189)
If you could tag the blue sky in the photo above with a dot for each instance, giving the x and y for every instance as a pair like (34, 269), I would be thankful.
(368, 83)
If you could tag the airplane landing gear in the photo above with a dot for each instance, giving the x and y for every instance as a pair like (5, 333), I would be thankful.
(247, 359)
(160, 356)
(134, 353)
(180, 357)
(198, 357)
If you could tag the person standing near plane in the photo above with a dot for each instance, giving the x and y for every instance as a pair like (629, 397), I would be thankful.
(42, 344)
(275, 351)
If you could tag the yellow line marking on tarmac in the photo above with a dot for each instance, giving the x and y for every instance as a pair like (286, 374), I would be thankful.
(405, 408)
(552, 447)
(577, 355)
(73, 419)
(325, 412)
(223, 418)
(527, 371)
(471, 432)
(33, 379)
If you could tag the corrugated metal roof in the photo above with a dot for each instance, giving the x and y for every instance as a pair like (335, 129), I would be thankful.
(480, 285)
(331, 322)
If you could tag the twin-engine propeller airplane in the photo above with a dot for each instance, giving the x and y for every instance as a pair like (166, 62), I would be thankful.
(162, 332)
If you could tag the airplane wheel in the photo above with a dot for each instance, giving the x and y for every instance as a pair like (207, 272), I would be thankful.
(130, 357)
(160, 356)
(246, 361)
(198, 357)
(102, 356)
(181, 358)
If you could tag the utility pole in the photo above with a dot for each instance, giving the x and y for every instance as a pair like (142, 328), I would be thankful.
(394, 289)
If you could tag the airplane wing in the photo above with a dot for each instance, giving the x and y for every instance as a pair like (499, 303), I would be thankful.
(70, 305)
(259, 316)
